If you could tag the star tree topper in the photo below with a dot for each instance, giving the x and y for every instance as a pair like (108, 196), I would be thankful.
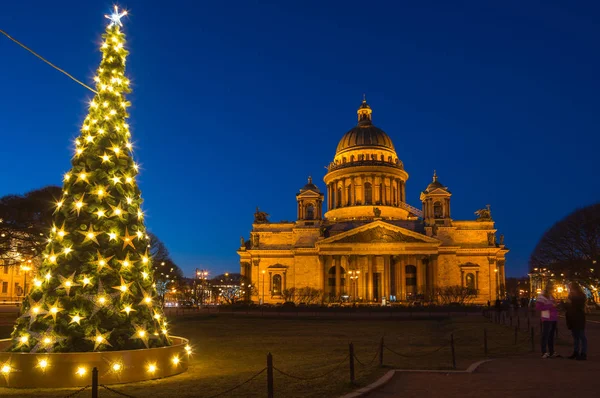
(115, 17)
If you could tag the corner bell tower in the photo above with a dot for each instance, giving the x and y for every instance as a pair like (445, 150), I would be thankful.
(310, 202)
(436, 203)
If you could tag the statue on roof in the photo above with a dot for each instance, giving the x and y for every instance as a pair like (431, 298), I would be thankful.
(376, 212)
(260, 217)
(484, 214)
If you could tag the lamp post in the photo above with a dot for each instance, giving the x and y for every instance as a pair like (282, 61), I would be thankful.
(25, 268)
(354, 283)
(200, 275)
(263, 283)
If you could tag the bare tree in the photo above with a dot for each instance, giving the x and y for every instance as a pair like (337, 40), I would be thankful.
(455, 294)
(166, 272)
(572, 245)
(25, 221)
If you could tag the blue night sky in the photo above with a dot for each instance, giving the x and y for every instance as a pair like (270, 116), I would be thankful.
(236, 103)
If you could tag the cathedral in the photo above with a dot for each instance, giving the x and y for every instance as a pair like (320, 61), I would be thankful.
(370, 245)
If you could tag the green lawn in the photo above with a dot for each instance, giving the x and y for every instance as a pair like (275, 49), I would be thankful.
(230, 349)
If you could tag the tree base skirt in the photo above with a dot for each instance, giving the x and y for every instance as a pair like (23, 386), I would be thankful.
(74, 369)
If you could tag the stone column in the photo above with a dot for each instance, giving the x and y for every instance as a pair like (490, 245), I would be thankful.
(323, 265)
(403, 191)
(345, 263)
(338, 275)
(436, 271)
(491, 274)
(383, 279)
(386, 286)
(270, 283)
(424, 260)
(402, 274)
(328, 197)
(388, 195)
(462, 278)
(369, 278)
(344, 192)
(362, 189)
(393, 277)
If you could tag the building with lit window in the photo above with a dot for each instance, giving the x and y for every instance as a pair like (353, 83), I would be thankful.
(370, 245)
(15, 282)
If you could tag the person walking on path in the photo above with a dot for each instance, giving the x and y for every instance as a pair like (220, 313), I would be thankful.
(576, 321)
(549, 315)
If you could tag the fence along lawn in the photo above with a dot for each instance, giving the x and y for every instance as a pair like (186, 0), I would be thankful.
(230, 349)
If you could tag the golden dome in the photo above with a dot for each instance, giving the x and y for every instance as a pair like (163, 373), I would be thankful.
(365, 134)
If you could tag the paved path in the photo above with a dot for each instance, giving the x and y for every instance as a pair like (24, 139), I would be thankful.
(510, 377)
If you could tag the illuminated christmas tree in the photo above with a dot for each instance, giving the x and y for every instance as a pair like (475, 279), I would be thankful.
(94, 289)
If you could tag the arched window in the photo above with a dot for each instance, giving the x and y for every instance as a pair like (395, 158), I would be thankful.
(437, 210)
(470, 281)
(411, 280)
(276, 285)
(344, 159)
(310, 212)
(368, 193)
(390, 159)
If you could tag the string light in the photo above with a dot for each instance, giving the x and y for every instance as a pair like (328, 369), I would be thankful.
(43, 364)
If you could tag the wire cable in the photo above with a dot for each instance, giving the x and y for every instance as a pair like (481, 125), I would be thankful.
(48, 62)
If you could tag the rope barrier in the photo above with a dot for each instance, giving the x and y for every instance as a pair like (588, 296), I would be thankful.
(314, 377)
(416, 355)
(76, 392)
(116, 392)
(238, 386)
(370, 362)
(48, 62)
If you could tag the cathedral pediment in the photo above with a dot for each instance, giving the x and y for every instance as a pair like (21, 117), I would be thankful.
(380, 232)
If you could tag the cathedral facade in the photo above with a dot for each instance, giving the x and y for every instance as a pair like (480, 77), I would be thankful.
(370, 245)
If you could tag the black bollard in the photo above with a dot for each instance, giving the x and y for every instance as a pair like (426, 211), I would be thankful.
(453, 353)
(95, 383)
(381, 352)
(351, 347)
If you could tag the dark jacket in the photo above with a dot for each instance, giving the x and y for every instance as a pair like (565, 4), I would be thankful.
(576, 312)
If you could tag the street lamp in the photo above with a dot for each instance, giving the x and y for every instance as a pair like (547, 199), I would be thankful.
(25, 268)
(354, 278)
(263, 292)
